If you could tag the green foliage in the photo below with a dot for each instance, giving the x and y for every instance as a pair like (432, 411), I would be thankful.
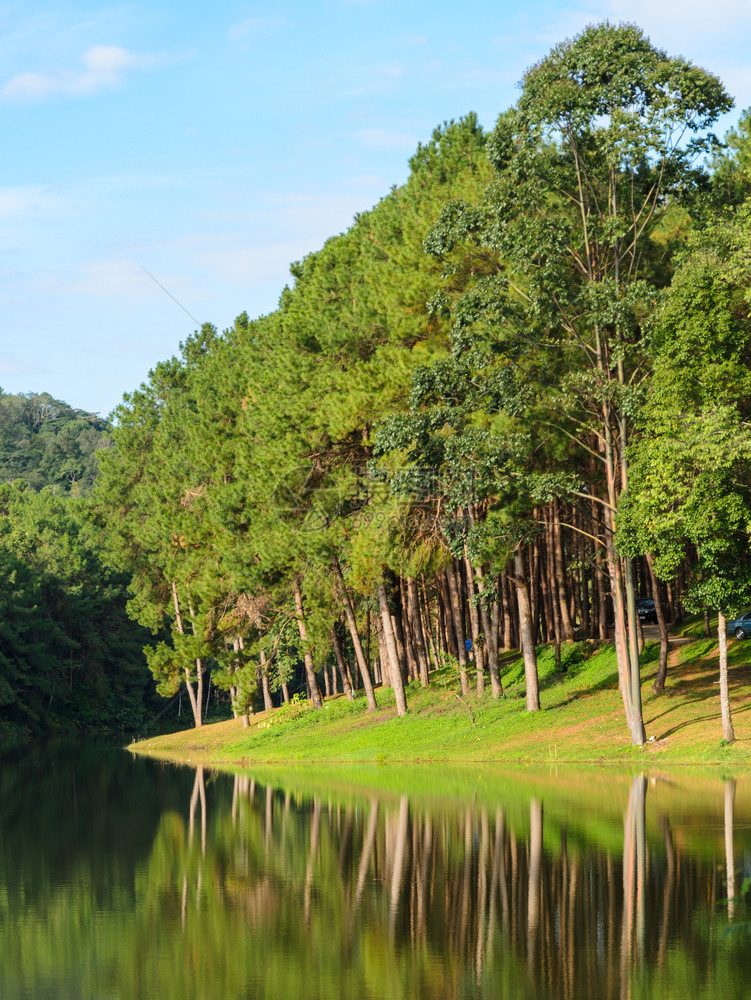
(69, 655)
(45, 442)
(690, 483)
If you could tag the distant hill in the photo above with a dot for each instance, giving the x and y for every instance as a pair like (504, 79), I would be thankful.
(45, 442)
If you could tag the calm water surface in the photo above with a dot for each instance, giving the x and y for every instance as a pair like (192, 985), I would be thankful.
(123, 879)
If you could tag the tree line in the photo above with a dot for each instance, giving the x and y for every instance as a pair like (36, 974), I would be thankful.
(506, 403)
(70, 657)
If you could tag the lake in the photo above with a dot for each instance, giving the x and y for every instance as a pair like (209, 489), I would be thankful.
(123, 878)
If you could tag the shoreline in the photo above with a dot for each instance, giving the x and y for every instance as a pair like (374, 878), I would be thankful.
(581, 722)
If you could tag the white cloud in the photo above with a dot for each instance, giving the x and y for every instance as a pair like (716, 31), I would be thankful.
(681, 18)
(11, 365)
(381, 138)
(111, 278)
(715, 35)
(254, 27)
(369, 81)
(27, 199)
(103, 66)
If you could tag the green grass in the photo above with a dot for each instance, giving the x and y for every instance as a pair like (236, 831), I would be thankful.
(581, 720)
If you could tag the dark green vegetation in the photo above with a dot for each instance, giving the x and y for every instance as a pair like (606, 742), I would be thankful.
(124, 877)
(69, 655)
(45, 442)
(70, 658)
(510, 400)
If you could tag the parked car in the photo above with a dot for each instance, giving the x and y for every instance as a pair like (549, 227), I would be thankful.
(645, 609)
(740, 627)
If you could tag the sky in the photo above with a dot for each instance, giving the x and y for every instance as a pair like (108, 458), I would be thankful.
(162, 163)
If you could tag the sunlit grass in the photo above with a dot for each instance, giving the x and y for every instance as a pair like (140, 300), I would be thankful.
(582, 718)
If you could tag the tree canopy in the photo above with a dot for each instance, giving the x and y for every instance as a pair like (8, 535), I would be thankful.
(454, 436)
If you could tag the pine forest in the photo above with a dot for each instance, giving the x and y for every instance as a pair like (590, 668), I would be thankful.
(508, 403)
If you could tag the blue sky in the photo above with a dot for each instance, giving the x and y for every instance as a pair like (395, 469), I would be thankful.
(210, 144)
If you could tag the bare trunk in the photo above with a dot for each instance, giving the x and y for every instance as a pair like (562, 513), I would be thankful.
(456, 618)
(194, 697)
(362, 663)
(416, 628)
(346, 687)
(662, 669)
(728, 733)
(490, 628)
(474, 622)
(638, 734)
(268, 704)
(508, 625)
(567, 630)
(446, 617)
(390, 643)
(383, 660)
(525, 630)
(427, 619)
(310, 674)
(404, 626)
(552, 570)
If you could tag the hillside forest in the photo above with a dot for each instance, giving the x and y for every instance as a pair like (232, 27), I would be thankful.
(508, 402)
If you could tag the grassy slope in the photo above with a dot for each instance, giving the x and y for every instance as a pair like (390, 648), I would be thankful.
(581, 721)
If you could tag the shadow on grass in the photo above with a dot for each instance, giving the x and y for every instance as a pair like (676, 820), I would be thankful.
(700, 686)
(607, 683)
(715, 716)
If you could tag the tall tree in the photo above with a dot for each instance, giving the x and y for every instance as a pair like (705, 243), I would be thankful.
(593, 164)
(691, 478)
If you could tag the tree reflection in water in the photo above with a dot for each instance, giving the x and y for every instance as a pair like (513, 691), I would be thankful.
(553, 889)
(463, 904)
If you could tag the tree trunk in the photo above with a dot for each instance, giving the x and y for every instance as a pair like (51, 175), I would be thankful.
(383, 659)
(446, 618)
(390, 642)
(474, 623)
(490, 628)
(346, 687)
(525, 631)
(659, 682)
(508, 624)
(233, 687)
(432, 636)
(268, 704)
(638, 734)
(567, 630)
(552, 570)
(416, 627)
(602, 598)
(399, 636)
(195, 699)
(410, 639)
(583, 600)
(362, 663)
(310, 674)
(456, 618)
(728, 733)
